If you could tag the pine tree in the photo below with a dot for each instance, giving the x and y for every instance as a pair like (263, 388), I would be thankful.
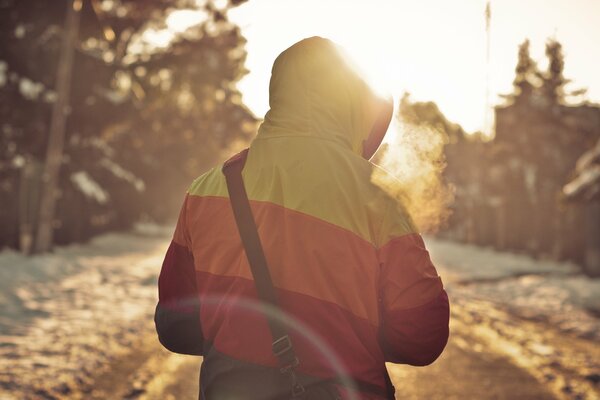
(554, 82)
(144, 120)
(526, 73)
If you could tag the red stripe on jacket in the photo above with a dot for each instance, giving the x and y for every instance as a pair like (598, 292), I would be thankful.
(414, 309)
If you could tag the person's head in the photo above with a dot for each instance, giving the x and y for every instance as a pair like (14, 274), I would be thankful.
(315, 91)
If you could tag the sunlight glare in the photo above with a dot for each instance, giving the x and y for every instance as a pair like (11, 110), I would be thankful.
(433, 49)
(181, 20)
(396, 49)
(377, 81)
(158, 38)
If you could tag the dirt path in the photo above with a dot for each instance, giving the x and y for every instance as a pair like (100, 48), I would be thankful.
(475, 365)
(458, 374)
(83, 330)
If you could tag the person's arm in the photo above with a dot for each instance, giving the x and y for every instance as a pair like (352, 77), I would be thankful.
(415, 308)
(177, 317)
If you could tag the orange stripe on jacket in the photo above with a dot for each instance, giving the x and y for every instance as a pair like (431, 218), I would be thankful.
(305, 255)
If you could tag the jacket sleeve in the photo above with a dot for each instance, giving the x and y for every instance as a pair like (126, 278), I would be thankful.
(177, 315)
(414, 306)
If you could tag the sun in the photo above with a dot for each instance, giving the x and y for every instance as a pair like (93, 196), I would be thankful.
(400, 46)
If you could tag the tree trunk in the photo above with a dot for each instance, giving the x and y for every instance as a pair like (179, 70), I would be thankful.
(592, 238)
(56, 136)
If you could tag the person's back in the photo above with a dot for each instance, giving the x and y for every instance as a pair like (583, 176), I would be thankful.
(350, 270)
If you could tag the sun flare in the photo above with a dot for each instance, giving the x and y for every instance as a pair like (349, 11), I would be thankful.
(433, 49)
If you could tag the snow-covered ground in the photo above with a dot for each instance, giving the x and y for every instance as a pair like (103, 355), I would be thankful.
(67, 316)
(541, 315)
(545, 291)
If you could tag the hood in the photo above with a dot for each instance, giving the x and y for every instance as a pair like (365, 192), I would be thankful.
(314, 91)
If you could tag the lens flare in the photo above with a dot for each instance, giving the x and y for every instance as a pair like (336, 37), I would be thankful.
(296, 329)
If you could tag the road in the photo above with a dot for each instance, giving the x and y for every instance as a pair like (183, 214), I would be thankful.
(87, 333)
(490, 355)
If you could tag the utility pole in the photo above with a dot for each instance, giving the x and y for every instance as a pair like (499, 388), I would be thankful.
(56, 135)
(487, 125)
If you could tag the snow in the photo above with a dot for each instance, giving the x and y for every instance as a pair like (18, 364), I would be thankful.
(570, 304)
(89, 187)
(50, 96)
(587, 182)
(122, 173)
(589, 158)
(29, 89)
(18, 161)
(65, 316)
(114, 96)
(586, 179)
(151, 229)
(20, 31)
(541, 290)
(3, 69)
(102, 145)
(530, 179)
(465, 263)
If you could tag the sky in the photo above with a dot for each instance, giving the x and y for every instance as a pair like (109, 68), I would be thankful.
(433, 49)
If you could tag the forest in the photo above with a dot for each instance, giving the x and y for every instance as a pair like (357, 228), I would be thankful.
(144, 116)
(151, 103)
(534, 188)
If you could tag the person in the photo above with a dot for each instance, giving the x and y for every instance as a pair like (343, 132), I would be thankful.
(345, 258)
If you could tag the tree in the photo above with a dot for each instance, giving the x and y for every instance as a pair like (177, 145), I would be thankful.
(146, 115)
(526, 74)
(554, 80)
(56, 132)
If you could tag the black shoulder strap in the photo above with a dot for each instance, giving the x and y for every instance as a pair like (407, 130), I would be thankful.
(282, 346)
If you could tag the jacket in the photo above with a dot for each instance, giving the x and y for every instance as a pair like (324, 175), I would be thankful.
(345, 257)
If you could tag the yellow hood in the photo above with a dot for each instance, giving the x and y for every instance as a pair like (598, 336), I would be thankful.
(315, 92)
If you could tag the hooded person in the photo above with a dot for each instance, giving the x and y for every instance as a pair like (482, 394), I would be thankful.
(346, 261)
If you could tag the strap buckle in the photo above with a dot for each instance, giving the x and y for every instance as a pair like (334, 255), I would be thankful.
(290, 367)
(283, 350)
(282, 346)
(297, 390)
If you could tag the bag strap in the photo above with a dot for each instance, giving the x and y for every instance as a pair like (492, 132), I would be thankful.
(282, 346)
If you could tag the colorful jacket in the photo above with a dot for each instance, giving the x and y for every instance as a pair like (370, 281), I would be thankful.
(344, 256)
